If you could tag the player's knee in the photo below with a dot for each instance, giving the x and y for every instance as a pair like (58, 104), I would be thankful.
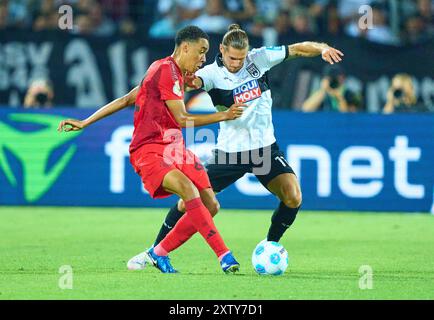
(187, 190)
(181, 205)
(291, 197)
(214, 207)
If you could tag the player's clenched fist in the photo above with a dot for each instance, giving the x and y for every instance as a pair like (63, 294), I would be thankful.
(235, 111)
(192, 81)
(70, 125)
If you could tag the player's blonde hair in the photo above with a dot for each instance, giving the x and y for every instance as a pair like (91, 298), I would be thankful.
(235, 37)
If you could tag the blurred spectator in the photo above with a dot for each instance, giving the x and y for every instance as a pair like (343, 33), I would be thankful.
(348, 10)
(324, 14)
(127, 26)
(240, 11)
(18, 15)
(46, 17)
(4, 14)
(167, 27)
(119, 12)
(415, 30)
(294, 17)
(301, 22)
(188, 9)
(401, 96)
(83, 6)
(101, 24)
(116, 10)
(333, 94)
(173, 15)
(212, 19)
(426, 11)
(417, 16)
(265, 16)
(39, 95)
(380, 31)
(268, 10)
(269, 19)
(92, 19)
(282, 24)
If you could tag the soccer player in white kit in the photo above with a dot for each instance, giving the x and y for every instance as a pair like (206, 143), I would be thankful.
(248, 144)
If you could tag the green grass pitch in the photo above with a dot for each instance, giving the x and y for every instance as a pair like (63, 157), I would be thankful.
(326, 250)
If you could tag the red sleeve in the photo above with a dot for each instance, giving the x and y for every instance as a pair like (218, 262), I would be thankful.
(170, 85)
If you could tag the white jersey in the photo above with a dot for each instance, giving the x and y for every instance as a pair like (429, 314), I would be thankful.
(254, 129)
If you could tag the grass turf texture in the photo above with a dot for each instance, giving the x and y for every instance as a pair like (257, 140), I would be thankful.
(325, 250)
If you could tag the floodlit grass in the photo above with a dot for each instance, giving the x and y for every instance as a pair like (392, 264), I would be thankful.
(326, 253)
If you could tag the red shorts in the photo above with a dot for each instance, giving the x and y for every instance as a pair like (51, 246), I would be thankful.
(153, 161)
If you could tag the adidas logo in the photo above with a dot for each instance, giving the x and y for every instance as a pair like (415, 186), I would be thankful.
(210, 234)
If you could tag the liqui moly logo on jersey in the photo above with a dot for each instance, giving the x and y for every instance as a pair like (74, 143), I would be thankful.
(247, 92)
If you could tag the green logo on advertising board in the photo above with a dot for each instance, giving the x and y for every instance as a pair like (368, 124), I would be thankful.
(33, 149)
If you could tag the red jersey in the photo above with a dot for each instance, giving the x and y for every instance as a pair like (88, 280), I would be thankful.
(153, 121)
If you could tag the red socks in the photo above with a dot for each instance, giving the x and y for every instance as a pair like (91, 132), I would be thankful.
(196, 218)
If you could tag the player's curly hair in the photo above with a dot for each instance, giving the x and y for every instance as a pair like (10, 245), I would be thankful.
(190, 33)
(235, 37)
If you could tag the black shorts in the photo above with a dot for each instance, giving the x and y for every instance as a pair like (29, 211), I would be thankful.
(265, 163)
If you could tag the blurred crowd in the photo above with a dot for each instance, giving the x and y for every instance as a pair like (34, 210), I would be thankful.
(394, 22)
(335, 95)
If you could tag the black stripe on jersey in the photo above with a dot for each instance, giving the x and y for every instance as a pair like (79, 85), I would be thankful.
(225, 97)
(203, 83)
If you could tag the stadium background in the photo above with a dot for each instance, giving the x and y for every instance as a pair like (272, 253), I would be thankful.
(361, 161)
(345, 161)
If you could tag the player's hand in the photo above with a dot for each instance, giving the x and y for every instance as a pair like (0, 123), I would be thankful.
(70, 125)
(235, 111)
(192, 81)
(331, 55)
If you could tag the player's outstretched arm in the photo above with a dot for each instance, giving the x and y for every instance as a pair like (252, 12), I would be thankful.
(314, 49)
(108, 109)
(185, 119)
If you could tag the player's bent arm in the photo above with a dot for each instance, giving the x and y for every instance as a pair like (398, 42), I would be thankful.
(313, 49)
(108, 109)
(185, 119)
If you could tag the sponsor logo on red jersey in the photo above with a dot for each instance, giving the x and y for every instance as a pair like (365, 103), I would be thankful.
(247, 91)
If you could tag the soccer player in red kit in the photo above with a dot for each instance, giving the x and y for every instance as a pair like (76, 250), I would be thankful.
(157, 149)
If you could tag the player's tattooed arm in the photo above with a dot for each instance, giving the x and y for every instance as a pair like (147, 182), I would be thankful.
(314, 49)
(108, 109)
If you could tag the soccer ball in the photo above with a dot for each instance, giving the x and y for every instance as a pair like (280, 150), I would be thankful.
(270, 258)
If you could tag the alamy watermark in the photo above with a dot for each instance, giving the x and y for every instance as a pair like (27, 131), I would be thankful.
(366, 280)
(66, 19)
(366, 21)
(255, 155)
(66, 281)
